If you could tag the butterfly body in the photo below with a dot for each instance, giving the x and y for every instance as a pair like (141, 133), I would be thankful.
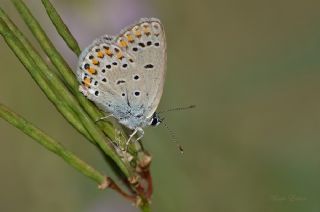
(124, 74)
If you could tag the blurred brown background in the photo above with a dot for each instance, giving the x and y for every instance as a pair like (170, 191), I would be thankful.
(252, 144)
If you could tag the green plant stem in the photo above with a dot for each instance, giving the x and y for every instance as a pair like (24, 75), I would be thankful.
(50, 144)
(33, 69)
(145, 207)
(67, 99)
(61, 28)
(63, 92)
(39, 70)
(57, 60)
(55, 82)
(64, 69)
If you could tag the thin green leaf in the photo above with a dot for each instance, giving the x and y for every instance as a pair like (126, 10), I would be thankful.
(24, 56)
(64, 69)
(61, 28)
(57, 60)
(50, 144)
(67, 100)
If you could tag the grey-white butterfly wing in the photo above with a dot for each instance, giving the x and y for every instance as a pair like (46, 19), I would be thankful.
(148, 50)
(101, 74)
(124, 75)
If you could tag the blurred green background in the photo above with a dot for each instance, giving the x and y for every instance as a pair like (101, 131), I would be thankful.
(252, 144)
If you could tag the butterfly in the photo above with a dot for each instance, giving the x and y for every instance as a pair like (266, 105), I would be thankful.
(124, 74)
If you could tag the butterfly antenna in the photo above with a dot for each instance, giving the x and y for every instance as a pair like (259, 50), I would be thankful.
(173, 137)
(178, 109)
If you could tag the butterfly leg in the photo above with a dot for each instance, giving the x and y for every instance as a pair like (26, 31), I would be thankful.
(140, 130)
(130, 137)
(105, 117)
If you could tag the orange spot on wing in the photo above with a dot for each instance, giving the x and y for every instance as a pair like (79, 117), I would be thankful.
(92, 71)
(146, 30)
(87, 81)
(100, 54)
(108, 52)
(137, 33)
(130, 38)
(120, 55)
(123, 43)
(95, 62)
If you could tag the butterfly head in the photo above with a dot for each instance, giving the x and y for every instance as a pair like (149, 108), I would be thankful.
(155, 120)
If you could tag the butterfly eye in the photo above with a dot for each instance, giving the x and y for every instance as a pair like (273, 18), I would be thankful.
(155, 121)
